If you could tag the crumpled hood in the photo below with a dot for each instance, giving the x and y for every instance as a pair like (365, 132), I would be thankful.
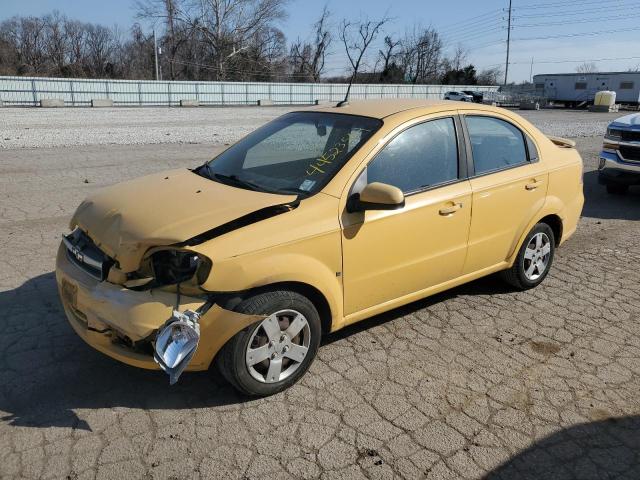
(126, 219)
(631, 121)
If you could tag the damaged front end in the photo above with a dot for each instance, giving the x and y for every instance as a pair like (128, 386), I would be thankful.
(152, 318)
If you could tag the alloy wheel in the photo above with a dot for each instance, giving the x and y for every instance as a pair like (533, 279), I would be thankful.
(536, 256)
(278, 346)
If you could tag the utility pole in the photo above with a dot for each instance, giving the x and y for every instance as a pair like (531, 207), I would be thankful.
(506, 67)
(531, 72)
(155, 52)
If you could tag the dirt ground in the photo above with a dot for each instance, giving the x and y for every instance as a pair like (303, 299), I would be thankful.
(477, 382)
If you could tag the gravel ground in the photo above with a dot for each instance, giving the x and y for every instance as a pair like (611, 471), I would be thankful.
(44, 128)
(477, 382)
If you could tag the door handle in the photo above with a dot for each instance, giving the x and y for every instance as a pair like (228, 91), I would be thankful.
(450, 210)
(533, 185)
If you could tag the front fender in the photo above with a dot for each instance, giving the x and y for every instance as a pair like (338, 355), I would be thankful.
(267, 268)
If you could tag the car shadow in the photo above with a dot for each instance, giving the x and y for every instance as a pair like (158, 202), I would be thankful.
(47, 371)
(601, 449)
(601, 205)
(489, 285)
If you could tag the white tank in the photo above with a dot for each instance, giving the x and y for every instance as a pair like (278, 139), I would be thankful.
(606, 98)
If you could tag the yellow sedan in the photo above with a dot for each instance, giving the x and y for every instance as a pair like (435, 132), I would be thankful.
(320, 218)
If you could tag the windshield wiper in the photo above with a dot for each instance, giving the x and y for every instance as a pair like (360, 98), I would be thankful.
(235, 180)
(294, 191)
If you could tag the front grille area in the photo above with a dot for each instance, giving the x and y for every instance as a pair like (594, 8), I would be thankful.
(630, 153)
(86, 255)
(630, 136)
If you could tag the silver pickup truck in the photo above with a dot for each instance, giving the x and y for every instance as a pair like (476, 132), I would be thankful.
(619, 165)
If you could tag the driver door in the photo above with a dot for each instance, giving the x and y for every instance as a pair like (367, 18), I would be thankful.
(391, 254)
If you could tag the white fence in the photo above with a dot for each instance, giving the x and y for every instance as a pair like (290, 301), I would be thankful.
(28, 91)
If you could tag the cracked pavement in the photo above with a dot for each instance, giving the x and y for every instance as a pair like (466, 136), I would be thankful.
(477, 382)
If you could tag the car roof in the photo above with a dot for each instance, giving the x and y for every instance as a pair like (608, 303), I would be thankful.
(386, 107)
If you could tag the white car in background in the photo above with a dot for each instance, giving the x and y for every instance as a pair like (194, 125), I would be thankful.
(459, 96)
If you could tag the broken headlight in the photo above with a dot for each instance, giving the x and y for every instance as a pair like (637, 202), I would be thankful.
(177, 342)
(176, 266)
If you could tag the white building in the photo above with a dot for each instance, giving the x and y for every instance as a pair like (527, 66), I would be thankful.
(576, 88)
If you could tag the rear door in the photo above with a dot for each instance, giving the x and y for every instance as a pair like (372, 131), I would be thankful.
(508, 184)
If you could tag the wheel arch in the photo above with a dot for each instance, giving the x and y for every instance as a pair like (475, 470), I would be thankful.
(555, 222)
(314, 295)
(550, 218)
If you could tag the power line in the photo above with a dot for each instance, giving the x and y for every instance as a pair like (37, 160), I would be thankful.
(564, 4)
(472, 25)
(582, 34)
(572, 13)
(570, 3)
(577, 61)
(473, 31)
(492, 12)
(474, 36)
(574, 21)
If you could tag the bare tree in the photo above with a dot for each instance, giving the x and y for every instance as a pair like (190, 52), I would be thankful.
(101, 45)
(75, 34)
(228, 26)
(174, 15)
(389, 52)
(357, 37)
(56, 45)
(422, 55)
(490, 76)
(459, 58)
(587, 67)
(27, 35)
(308, 59)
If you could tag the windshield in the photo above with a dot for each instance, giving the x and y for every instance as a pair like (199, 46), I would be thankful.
(297, 153)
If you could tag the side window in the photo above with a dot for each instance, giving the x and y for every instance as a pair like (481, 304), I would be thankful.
(421, 156)
(495, 144)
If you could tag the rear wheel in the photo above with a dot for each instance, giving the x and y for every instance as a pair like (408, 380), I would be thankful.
(534, 258)
(272, 354)
(617, 188)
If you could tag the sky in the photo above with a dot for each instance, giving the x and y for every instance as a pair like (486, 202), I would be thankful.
(579, 29)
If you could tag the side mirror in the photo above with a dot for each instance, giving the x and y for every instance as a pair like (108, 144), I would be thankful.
(376, 196)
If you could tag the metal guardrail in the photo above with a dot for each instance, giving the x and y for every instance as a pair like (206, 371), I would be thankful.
(28, 91)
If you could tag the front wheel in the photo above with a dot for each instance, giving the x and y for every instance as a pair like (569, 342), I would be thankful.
(534, 258)
(272, 354)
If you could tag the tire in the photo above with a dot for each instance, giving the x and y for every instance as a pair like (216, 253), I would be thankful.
(233, 359)
(617, 188)
(521, 275)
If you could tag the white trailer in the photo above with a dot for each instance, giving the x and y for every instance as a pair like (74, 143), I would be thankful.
(574, 89)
